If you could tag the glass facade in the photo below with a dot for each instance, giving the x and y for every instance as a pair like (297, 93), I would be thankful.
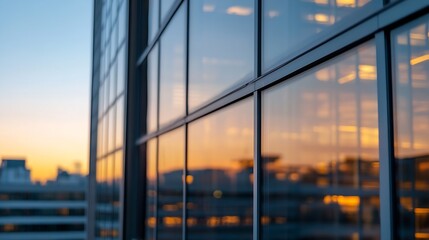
(248, 119)
(332, 189)
(410, 50)
(110, 72)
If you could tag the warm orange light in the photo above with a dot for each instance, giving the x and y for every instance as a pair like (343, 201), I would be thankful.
(348, 78)
(238, 10)
(151, 222)
(421, 210)
(230, 220)
(213, 221)
(417, 60)
(346, 3)
(172, 221)
(189, 179)
(421, 235)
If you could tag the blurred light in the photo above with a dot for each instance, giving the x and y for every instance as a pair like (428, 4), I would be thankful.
(240, 11)
(217, 194)
(189, 179)
(321, 2)
(348, 78)
(208, 8)
(172, 221)
(421, 210)
(230, 220)
(417, 60)
(273, 14)
(346, 3)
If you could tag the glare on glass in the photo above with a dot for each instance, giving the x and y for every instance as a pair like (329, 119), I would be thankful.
(410, 50)
(171, 163)
(119, 128)
(172, 69)
(291, 24)
(320, 152)
(220, 174)
(221, 47)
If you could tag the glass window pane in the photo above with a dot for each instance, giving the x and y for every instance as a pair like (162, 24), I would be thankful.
(122, 23)
(172, 73)
(153, 18)
(165, 7)
(221, 47)
(171, 164)
(149, 155)
(411, 87)
(220, 174)
(121, 71)
(290, 25)
(117, 193)
(119, 136)
(320, 152)
(150, 115)
(111, 135)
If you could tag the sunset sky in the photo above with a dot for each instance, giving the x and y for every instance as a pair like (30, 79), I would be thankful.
(45, 62)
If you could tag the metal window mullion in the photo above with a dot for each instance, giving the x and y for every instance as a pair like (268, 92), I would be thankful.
(185, 166)
(385, 124)
(257, 166)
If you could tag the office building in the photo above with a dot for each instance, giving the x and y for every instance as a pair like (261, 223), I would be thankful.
(28, 210)
(260, 119)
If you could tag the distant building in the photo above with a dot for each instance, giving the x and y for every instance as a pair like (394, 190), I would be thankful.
(55, 211)
(14, 171)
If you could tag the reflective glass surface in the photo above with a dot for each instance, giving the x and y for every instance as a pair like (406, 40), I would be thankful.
(153, 18)
(220, 174)
(165, 7)
(121, 71)
(289, 25)
(150, 157)
(171, 164)
(152, 88)
(221, 47)
(172, 73)
(320, 152)
(411, 87)
(119, 129)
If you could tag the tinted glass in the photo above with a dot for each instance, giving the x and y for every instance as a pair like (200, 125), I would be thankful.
(171, 163)
(153, 18)
(152, 88)
(320, 152)
(411, 79)
(172, 75)
(221, 47)
(121, 74)
(220, 164)
(290, 25)
(165, 7)
(119, 136)
(150, 158)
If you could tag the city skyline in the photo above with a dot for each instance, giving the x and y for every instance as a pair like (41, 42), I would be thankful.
(45, 66)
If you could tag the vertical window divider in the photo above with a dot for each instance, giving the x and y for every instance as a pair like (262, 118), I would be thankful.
(185, 166)
(257, 166)
(385, 125)
(258, 37)
(156, 188)
(185, 174)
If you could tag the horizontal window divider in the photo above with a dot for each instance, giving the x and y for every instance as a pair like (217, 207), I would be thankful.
(164, 25)
(110, 153)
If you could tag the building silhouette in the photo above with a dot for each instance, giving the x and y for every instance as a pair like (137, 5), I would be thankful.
(248, 119)
(28, 210)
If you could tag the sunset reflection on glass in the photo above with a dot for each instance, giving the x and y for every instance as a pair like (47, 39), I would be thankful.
(288, 25)
(148, 152)
(320, 152)
(171, 163)
(172, 72)
(221, 47)
(220, 174)
(411, 78)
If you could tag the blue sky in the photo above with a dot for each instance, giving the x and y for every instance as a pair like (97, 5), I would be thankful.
(45, 73)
